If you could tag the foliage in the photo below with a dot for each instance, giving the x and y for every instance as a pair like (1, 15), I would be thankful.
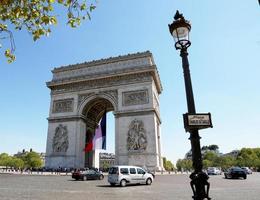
(5, 159)
(28, 160)
(37, 17)
(168, 165)
(184, 165)
(212, 147)
(212, 159)
(32, 160)
(210, 156)
(207, 163)
(16, 163)
(204, 149)
(248, 157)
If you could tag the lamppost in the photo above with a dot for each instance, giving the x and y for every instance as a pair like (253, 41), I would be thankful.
(180, 29)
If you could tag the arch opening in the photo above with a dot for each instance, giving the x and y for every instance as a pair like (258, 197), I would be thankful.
(95, 111)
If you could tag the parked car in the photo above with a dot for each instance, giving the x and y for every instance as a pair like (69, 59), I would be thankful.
(214, 171)
(235, 172)
(124, 174)
(247, 170)
(87, 175)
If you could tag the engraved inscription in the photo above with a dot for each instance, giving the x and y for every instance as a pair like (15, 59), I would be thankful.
(64, 105)
(135, 97)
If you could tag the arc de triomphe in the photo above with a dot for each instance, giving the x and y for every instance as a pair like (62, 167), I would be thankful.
(80, 95)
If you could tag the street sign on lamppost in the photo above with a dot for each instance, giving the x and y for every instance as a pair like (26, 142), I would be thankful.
(180, 29)
(197, 121)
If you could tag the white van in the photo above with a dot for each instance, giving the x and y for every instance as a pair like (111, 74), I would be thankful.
(124, 174)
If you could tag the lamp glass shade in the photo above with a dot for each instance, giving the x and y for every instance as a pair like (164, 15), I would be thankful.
(181, 33)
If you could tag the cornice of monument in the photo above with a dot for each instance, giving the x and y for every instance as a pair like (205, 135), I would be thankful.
(103, 61)
(106, 68)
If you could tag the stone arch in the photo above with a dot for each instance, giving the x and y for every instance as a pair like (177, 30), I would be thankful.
(85, 99)
(93, 108)
(80, 94)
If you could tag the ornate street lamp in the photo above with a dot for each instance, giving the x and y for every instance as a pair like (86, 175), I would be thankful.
(180, 29)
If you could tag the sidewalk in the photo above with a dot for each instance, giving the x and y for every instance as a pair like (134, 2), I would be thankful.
(69, 173)
(36, 173)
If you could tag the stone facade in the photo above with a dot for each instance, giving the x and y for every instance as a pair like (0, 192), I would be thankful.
(106, 160)
(80, 94)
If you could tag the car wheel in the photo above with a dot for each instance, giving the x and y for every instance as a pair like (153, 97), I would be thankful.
(101, 177)
(84, 178)
(123, 183)
(149, 181)
(244, 177)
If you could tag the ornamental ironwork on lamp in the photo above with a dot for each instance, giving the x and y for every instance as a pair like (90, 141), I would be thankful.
(180, 29)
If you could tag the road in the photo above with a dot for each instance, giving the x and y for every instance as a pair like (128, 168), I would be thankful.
(165, 187)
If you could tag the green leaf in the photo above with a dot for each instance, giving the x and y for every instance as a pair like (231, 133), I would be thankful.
(3, 26)
(10, 57)
(53, 20)
(83, 6)
(92, 7)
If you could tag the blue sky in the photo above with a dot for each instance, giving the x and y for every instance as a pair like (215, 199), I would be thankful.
(224, 63)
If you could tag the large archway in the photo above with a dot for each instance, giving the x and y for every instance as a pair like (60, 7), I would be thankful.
(81, 94)
(93, 111)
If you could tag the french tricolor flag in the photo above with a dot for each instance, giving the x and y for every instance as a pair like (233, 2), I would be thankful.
(99, 140)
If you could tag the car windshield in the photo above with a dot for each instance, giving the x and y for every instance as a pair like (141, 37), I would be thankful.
(237, 169)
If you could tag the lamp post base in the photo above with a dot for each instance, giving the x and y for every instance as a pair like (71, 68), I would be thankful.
(200, 185)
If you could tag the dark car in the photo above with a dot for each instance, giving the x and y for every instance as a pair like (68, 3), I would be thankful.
(89, 174)
(235, 172)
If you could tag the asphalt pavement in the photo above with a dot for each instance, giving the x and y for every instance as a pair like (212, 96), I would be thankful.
(164, 187)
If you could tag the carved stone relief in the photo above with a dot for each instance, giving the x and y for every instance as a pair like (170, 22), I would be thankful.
(113, 94)
(110, 93)
(101, 83)
(60, 142)
(83, 97)
(135, 97)
(136, 138)
(64, 105)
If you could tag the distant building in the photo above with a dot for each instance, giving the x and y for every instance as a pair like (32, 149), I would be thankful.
(233, 153)
(24, 152)
(106, 160)
(42, 155)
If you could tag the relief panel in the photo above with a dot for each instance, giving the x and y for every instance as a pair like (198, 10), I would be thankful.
(135, 97)
(64, 105)
(136, 137)
(60, 141)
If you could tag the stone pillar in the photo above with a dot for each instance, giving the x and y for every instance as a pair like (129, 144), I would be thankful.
(137, 142)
